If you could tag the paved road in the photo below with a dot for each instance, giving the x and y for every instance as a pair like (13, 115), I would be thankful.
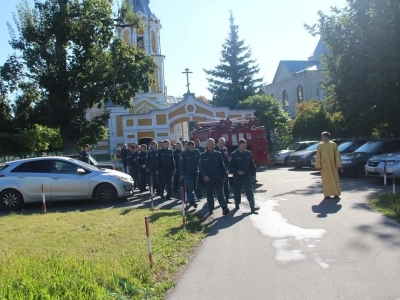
(299, 246)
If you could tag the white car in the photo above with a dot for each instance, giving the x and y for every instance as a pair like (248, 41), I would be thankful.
(282, 157)
(62, 178)
(375, 166)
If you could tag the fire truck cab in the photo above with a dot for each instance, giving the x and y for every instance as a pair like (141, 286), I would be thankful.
(233, 131)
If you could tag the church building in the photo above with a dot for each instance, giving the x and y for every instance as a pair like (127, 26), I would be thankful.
(296, 81)
(154, 114)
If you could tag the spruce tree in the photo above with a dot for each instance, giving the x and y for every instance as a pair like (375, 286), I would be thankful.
(233, 80)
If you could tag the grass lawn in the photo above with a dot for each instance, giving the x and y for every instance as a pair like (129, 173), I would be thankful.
(98, 254)
(384, 205)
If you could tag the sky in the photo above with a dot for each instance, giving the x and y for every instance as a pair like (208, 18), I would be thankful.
(193, 32)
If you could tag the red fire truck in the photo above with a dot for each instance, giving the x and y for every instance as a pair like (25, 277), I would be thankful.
(233, 131)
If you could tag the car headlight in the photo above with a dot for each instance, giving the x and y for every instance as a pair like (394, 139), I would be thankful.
(392, 162)
(305, 156)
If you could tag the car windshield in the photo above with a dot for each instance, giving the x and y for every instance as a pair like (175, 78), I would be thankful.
(293, 146)
(86, 165)
(312, 147)
(344, 146)
(93, 160)
(370, 147)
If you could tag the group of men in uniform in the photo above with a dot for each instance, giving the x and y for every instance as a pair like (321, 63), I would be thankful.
(167, 170)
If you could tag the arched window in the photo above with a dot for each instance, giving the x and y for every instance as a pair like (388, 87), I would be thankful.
(320, 91)
(153, 42)
(300, 95)
(285, 99)
(140, 39)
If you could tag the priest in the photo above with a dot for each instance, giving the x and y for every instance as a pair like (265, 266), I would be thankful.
(329, 163)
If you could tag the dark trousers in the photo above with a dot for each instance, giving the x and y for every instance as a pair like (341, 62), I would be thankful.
(134, 172)
(246, 182)
(176, 181)
(210, 188)
(125, 166)
(191, 182)
(153, 178)
(166, 181)
(142, 179)
(227, 190)
(200, 184)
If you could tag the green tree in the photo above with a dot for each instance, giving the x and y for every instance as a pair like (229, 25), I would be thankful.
(69, 53)
(268, 111)
(363, 64)
(233, 80)
(311, 119)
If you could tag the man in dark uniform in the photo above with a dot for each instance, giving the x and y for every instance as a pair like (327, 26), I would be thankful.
(165, 168)
(214, 173)
(177, 152)
(130, 159)
(84, 155)
(200, 181)
(224, 152)
(135, 167)
(189, 169)
(124, 156)
(141, 162)
(244, 171)
(151, 166)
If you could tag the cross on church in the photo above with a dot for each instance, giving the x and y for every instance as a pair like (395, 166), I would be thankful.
(187, 72)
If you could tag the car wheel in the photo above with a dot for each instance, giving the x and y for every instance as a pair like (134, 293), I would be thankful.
(11, 199)
(286, 162)
(106, 193)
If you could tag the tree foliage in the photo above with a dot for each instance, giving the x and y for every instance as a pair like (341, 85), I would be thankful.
(68, 59)
(268, 111)
(311, 119)
(363, 63)
(233, 80)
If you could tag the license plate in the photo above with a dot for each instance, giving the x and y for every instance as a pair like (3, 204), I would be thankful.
(369, 169)
(292, 161)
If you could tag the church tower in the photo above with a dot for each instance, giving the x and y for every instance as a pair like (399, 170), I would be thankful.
(148, 40)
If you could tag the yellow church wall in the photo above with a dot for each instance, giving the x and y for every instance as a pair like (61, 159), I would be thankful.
(235, 116)
(172, 130)
(161, 119)
(119, 126)
(198, 119)
(162, 134)
(153, 41)
(177, 112)
(132, 111)
(220, 114)
(181, 120)
(127, 37)
(129, 123)
(201, 110)
(131, 136)
(145, 122)
(144, 134)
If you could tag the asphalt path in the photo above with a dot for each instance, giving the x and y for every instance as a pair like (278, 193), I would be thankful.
(299, 246)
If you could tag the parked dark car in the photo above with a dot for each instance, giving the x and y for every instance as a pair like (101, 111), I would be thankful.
(345, 147)
(94, 162)
(282, 157)
(303, 158)
(354, 163)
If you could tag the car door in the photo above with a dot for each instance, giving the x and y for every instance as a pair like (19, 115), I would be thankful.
(67, 183)
(30, 176)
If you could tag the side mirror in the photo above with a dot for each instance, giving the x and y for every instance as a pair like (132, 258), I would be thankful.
(80, 171)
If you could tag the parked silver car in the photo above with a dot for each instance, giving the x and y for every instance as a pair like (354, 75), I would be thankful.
(282, 157)
(375, 165)
(63, 178)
